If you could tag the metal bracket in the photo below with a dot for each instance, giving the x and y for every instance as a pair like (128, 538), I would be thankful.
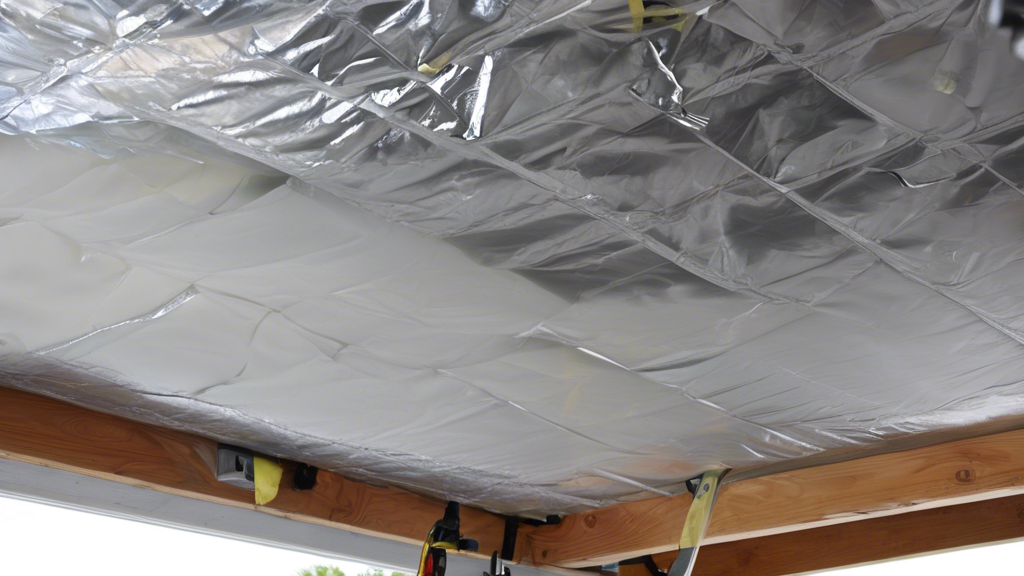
(704, 489)
(236, 467)
(549, 520)
(498, 567)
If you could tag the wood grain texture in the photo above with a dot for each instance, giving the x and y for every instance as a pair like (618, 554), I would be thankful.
(884, 538)
(47, 432)
(44, 431)
(942, 475)
(616, 532)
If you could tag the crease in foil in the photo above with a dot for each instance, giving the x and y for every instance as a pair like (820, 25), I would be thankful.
(177, 301)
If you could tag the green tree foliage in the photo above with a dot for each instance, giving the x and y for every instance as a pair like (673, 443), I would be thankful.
(334, 571)
(322, 571)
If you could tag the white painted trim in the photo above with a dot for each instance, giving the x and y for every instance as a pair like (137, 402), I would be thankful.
(69, 490)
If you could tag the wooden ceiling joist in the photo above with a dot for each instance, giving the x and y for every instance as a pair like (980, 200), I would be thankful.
(780, 509)
(942, 475)
(39, 430)
(872, 540)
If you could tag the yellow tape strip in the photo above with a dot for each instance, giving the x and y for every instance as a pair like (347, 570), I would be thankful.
(267, 476)
(435, 65)
(659, 14)
(636, 8)
(687, 21)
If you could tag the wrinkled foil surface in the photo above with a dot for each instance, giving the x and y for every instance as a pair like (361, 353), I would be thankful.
(537, 256)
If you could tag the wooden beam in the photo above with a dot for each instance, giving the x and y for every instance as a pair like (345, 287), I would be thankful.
(935, 476)
(884, 538)
(47, 432)
(44, 431)
(610, 534)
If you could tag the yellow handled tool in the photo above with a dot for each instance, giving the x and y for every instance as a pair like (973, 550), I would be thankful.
(443, 536)
(705, 490)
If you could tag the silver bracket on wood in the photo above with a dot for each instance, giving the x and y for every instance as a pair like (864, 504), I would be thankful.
(235, 466)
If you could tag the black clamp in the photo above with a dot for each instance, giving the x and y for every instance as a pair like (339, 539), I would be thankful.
(443, 536)
(648, 562)
(305, 477)
(508, 542)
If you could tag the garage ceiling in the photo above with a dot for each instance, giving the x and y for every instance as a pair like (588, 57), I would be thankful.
(535, 256)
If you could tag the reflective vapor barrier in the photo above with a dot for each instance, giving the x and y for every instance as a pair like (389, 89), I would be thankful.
(534, 256)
